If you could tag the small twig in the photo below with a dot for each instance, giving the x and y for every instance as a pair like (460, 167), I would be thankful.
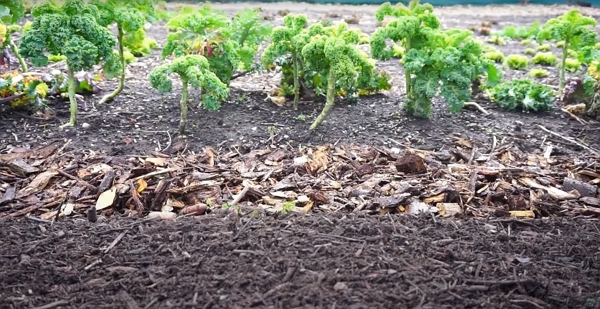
(476, 105)
(58, 200)
(596, 152)
(583, 122)
(169, 143)
(79, 180)
(165, 171)
(35, 219)
(115, 242)
(94, 263)
(239, 196)
(496, 282)
(53, 304)
(136, 199)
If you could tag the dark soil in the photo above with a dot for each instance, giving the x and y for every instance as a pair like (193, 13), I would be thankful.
(141, 120)
(336, 261)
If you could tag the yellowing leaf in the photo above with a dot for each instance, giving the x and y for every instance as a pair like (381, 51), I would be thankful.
(308, 207)
(142, 185)
(106, 199)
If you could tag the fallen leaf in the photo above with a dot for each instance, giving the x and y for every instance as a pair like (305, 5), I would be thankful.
(106, 199)
(142, 185)
(308, 207)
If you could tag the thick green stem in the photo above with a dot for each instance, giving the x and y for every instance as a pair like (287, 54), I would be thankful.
(330, 100)
(296, 80)
(72, 99)
(407, 76)
(15, 51)
(561, 80)
(184, 107)
(121, 85)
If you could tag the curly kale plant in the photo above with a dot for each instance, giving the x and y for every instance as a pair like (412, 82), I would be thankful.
(522, 94)
(334, 50)
(288, 40)
(71, 30)
(228, 45)
(450, 62)
(130, 18)
(11, 12)
(408, 29)
(193, 70)
(577, 32)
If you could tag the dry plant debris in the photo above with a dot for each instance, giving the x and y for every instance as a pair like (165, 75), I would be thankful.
(505, 182)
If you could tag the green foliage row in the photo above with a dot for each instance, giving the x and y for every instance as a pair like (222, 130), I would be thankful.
(208, 48)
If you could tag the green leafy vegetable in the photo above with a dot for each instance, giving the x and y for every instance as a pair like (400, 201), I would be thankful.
(11, 12)
(288, 41)
(130, 18)
(544, 48)
(522, 94)
(538, 73)
(71, 30)
(516, 62)
(496, 56)
(513, 32)
(228, 45)
(193, 70)
(576, 30)
(544, 59)
(448, 61)
(570, 65)
(334, 50)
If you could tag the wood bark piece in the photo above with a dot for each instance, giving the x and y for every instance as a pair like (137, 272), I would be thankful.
(411, 164)
(584, 189)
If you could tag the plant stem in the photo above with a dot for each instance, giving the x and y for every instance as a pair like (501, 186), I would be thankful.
(407, 76)
(184, 107)
(15, 51)
(330, 100)
(561, 80)
(296, 80)
(72, 99)
(121, 85)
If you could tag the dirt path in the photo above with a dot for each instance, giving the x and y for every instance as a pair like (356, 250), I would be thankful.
(336, 261)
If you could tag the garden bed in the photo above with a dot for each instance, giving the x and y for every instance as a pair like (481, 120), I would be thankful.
(506, 223)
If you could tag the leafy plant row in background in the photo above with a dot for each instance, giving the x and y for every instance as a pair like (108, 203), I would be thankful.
(205, 48)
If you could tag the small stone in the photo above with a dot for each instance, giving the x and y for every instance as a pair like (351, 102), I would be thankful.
(85, 125)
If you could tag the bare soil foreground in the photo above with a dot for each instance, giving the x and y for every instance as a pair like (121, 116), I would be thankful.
(459, 211)
(293, 261)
